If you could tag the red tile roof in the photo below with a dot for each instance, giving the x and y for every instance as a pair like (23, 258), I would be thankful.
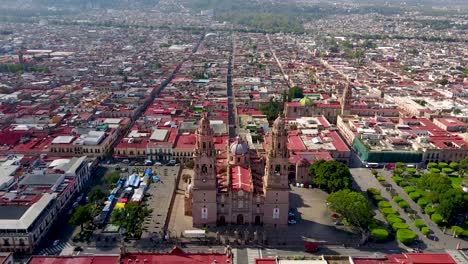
(241, 179)
(265, 261)
(178, 257)
(74, 260)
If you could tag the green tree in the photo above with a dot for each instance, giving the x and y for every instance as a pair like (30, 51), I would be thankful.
(96, 194)
(295, 92)
(435, 182)
(271, 109)
(462, 167)
(81, 216)
(130, 218)
(451, 203)
(355, 209)
(330, 176)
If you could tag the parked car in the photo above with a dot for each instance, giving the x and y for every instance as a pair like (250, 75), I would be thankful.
(172, 162)
(292, 212)
(311, 247)
(158, 164)
(78, 248)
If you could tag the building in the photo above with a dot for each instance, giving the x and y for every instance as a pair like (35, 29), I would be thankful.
(331, 108)
(240, 185)
(176, 255)
(413, 140)
(29, 208)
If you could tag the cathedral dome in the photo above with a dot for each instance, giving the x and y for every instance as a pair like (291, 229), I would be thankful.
(239, 147)
(306, 101)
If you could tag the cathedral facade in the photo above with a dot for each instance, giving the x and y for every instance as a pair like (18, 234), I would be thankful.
(239, 185)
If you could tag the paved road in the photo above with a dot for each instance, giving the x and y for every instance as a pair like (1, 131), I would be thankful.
(230, 95)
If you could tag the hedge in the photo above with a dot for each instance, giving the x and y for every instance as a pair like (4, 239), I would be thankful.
(447, 170)
(419, 223)
(443, 164)
(397, 199)
(431, 165)
(397, 179)
(403, 204)
(373, 191)
(425, 230)
(423, 202)
(394, 219)
(453, 165)
(437, 218)
(387, 211)
(406, 236)
(381, 178)
(377, 198)
(411, 170)
(397, 226)
(384, 204)
(429, 210)
(379, 234)
(409, 189)
(403, 183)
(434, 170)
(414, 196)
(457, 230)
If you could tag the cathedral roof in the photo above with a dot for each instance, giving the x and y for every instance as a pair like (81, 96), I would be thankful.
(241, 179)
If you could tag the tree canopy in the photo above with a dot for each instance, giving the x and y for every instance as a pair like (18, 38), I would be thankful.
(330, 176)
(81, 216)
(96, 194)
(295, 92)
(354, 207)
(452, 202)
(271, 109)
(130, 218)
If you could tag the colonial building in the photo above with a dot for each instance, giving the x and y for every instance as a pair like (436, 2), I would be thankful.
(239, 185)
(345, 105)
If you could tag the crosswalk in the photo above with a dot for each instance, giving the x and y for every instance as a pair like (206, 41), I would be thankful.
(253, 254)
(269, 253)
(55, 250)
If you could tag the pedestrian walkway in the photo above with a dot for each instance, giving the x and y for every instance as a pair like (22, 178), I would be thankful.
(269, 253)
(252, 254)
(235, 255)
(56, 250)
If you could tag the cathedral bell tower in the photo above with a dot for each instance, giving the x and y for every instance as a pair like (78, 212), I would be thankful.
(204, 182)
(275, 185)
(346, 100)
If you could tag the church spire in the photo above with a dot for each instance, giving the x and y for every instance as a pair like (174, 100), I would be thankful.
(346, 100)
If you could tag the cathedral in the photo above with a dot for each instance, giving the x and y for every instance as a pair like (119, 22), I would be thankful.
(241, 185)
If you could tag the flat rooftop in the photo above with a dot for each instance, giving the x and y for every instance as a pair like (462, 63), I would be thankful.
(12, 212)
